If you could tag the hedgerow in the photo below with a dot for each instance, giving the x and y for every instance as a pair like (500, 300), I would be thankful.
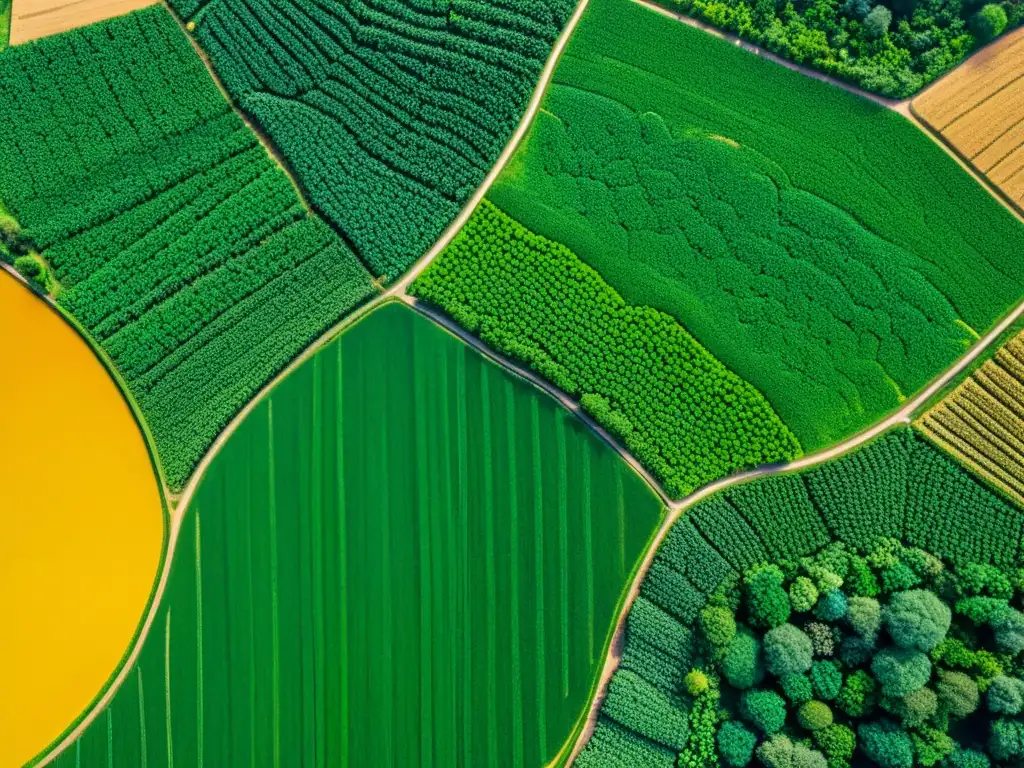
(635, 370)
(173, 238)
(391, 112)
(685, 171)
(872, 648)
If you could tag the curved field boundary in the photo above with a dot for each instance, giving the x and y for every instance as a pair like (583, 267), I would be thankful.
(676, 509)
(169, 532)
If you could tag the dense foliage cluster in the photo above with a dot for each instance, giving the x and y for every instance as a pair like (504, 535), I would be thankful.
(894, 47)
(634, 369)
(982, 420)
(390, 112)
(786, 635)
(173, 238)
(837, 282)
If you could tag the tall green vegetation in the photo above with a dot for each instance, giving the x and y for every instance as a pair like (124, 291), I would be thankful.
(810, 633)
(390, 112)
(404, 556)
(634, 369)
(179, 245)
(835, 263)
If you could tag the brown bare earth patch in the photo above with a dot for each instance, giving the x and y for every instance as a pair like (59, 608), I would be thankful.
(31, 19)
(978, 109)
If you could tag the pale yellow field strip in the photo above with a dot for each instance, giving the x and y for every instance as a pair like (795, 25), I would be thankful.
(81, 525)
(1005, 170)
(978, 129)
(1015, 187)
(31, 19)
(1000, 151)
(972, 82)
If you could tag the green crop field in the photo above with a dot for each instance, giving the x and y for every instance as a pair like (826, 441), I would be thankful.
(390, 112)
(635, 370)
(820, 246)
(894, 514)
(404, 556)
(175, 240)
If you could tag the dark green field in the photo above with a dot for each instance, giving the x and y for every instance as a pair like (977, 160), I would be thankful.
(404, 556)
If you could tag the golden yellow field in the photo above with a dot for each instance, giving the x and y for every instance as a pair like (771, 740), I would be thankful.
(979, 110)
(81, 525)
(40, 18)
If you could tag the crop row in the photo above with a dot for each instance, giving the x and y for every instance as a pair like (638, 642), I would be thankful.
(634, 369)
(898, 487)
(174, 239)
(982, 420)
(389, 112)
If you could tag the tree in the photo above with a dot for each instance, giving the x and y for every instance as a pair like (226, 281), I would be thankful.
(765, 710)
(857, 696)
(718, 625)
(796, 688)
(742, 665)
(814, 715)
(736, 744)
(876, 23)
(886, 744)
(822, 638)
(832, 606)
(787, 651)
(969, 758)
(900, 671)
(917, 619)
(856, 9)
(958, 693)
(696, 682)
(1009, 629)
(917, 707)
(1006, 740)
(1005, 696)
(30, 268)
(767, 601)
(802, 594)
(837, 743)
(826, 680)
(864, 615)
(989, 23)
(781, 752)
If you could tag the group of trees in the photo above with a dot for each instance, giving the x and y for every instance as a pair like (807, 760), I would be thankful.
(790, 635)
(175, 240)
(893, 47)
(390, 113)
(634, 369)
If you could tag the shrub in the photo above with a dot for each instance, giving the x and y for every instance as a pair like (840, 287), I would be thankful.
(814, 715)
(886, 744)
(1006, 740)
(837, 743)
(796, 688)
(1009, 629)
(30, 268)
(826, 680)
(1005, 696)
(742, 665)
(735, 744)
(802, 594)
(765, 710)
(787, 651)
(917, 707)
(988, 23)
(969, 758)
(718, 625)
(857, 696)
(917, 619)
(981, 610)
(780, 752)
(877, 22)
(958, 693)
(831, 606)
(931, 745)
(696, 682)
(767, 602)
(864, 615)
(900, 671)
(822, 638)
(899, 577)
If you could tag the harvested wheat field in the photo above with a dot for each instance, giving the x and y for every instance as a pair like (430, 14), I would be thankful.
(81, 525)
(32, 19)
(979, 110)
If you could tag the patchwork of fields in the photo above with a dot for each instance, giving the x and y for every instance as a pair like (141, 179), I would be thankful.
(178, 244)
(403, 556)
(978, 109)
(406, 555)
(81, 525)
(390, 112)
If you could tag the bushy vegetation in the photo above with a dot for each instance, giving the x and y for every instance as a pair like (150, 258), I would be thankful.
(894, 48)
(634, 369)
(686, 172)
(178, 244)
(389, 112)
(822, 650)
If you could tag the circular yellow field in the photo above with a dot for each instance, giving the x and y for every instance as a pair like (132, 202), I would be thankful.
(81, 525)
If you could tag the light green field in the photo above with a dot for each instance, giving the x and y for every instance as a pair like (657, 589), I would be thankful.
(404, 556)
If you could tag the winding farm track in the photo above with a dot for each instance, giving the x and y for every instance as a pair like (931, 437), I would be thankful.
(397, 292)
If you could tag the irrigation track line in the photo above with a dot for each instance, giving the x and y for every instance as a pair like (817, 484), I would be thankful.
(676, 508)
(904, 107)
(178, 506)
